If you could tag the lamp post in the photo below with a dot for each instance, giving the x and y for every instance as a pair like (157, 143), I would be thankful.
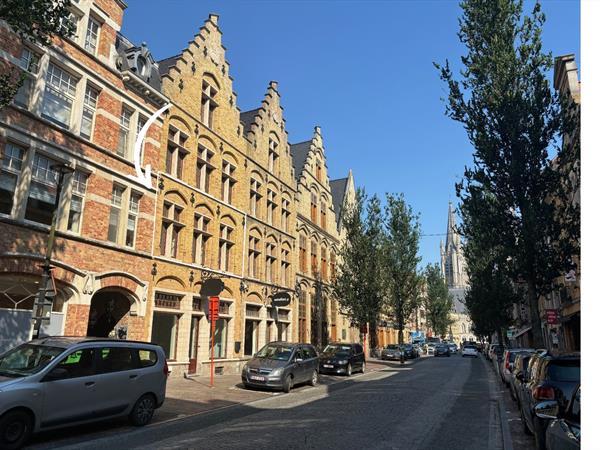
(42, 307)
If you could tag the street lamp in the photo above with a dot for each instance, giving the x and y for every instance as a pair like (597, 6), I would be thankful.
(42, 307)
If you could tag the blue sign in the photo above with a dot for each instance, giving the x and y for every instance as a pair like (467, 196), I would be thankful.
(417, 336)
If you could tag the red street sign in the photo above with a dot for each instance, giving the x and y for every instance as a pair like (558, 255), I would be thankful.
(552, 316)
(213, 309)
(363, 329)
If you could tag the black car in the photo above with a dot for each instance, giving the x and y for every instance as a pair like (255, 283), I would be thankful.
(341, 358)
(410, 351)
(441, 350)
(564, 430)
(548, 378)
(392, 351)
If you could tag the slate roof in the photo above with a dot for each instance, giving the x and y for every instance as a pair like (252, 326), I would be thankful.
(123, 46)
(247, 118)
(299, 155)
(164, 64)
(338, 191)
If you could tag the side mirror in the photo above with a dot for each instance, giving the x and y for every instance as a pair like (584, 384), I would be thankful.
(547, 409)
(58, 373)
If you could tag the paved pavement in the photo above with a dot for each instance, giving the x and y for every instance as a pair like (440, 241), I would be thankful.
(436, 403)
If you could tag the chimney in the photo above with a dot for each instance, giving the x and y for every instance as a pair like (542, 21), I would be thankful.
(214, 18)
(318, 130)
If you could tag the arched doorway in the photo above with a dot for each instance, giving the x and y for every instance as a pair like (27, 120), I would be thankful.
(108, 314)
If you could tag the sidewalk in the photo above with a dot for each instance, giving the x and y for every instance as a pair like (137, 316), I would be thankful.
(191, 396)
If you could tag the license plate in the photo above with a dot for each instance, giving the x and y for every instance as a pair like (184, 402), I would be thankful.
(257, 378)
(328, 366)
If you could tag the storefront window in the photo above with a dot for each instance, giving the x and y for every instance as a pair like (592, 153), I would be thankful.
(220, 338)
(164, 333)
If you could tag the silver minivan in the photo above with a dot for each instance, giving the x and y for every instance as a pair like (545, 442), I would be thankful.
(59, 381)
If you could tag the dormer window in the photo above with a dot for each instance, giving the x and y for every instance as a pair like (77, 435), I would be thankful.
(209, 103)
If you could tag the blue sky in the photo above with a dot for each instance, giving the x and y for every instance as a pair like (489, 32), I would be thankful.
(362, 70)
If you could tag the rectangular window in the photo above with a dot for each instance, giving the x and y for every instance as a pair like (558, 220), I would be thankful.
(42, 191)
(285, 214)
(171, 228)
(323, 264)
(319, 172)
(125, 121)
(208, 104)
(225, 245)
(59, 95)
(203, 168)
(332, 265)
(77, 198)
(271, 260)
(115, 213)
(253, 255)
(313, 258)
(91, 36)
(164, 333)
(255, 197)
(176, 152)
(220, 338)
(272, 156)
(323, 215)
(201, 236)
(271, 206)
(134, 208)
(302, 246)
(313, 208)
(29, 62)
(227, 181)
(285, 267)
(90, 101)
(12, 162)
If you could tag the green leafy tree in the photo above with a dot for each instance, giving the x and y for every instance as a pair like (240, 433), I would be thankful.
(438, 301)
(512, 118)
(35, 21)
(400, 259)
(357, 283)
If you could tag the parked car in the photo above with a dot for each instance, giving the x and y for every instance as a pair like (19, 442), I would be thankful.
(61, 381)
(564, 429)
(469, 350)
(453, 348)
(410, 351)
(508, 362)
(441, 350)
(282, 365)
(431, 347)
(519, 368)
(548, 378)
(342, 358)
(392, 351)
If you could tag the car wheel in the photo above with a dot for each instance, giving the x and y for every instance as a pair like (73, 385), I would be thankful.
(288, 383)
(349, 369)
(143, 410)
(15, 429)
(362, 367)
(314, 380)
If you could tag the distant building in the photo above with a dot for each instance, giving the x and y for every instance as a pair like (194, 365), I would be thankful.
(455, 273)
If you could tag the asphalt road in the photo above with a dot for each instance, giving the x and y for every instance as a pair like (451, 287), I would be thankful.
(438, 403)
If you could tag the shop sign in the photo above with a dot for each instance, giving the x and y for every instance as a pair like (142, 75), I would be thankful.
(552, 316)
(281, 299)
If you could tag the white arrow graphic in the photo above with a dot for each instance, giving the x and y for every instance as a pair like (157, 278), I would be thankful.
(145, 177)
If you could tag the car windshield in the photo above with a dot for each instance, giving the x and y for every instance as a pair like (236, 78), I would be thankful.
(564, 371)
(392, 347)
(27, 359)
(280, 352)
(469, 347)
(338, 349)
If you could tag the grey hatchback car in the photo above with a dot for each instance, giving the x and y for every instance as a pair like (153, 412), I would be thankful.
(60, 381)
(282, 365)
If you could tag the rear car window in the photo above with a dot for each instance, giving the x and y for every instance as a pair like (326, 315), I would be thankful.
(147, 357)
(564, 371)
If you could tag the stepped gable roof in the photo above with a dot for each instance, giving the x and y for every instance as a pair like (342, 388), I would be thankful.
(165, 64)
(338, 192)
(247, 118)
(299, 154)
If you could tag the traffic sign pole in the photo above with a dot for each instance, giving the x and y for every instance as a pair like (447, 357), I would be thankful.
(213, 313)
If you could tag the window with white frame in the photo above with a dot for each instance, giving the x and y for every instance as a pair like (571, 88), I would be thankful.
(201, 237)
(285, 214)
(227, 181)
(90, 101)
(204, 168)
(208, 103)
(132, 217)
(253, 257)
(255, 197)
(30, 63)
(59, 95)
(114, 219)
(225, 245)
(12, 163)
(124, 124)
(91, 35)
(42, 190)
(271, 260)
(273, 155)
(77, 199)
(171, 229)
(176, 152)
(271, 206)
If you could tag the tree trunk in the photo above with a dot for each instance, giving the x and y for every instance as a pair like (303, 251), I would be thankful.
(534, 312)
(373, 333)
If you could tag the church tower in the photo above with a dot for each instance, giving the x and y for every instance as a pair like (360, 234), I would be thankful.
(452, 258)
